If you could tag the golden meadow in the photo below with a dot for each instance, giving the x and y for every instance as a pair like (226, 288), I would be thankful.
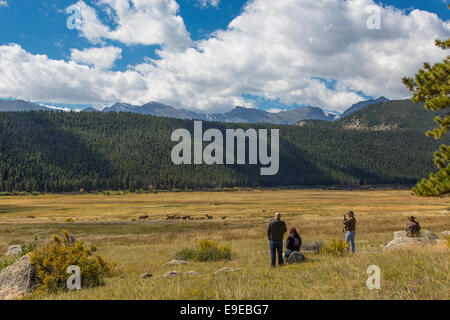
(112, 224)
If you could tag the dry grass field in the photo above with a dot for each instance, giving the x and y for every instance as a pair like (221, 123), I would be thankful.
(112, 224)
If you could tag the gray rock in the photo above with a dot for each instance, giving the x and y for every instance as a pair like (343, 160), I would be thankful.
(312, 246)
(423, 233)
(18, 279)
(296, 257)
(401, 240)
(446, 233)
(176, 262)
(226, 269)
(14, 250)
(170, 274)
(191, 273)
(145, 275)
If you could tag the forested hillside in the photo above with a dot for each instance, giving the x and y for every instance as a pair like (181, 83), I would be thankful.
(57, 151)
(401, 114)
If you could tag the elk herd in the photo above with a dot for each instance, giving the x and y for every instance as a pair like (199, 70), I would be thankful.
(176, 217)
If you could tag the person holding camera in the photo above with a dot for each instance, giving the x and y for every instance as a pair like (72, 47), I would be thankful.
(350, 227)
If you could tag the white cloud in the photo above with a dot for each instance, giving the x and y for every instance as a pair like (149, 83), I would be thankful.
(146, 22)
(3, 3)
(38, 78)
(207, 3)
(102, 58)
(275, 50)
(279, 49)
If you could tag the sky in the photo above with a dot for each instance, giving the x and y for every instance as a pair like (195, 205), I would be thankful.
(213, 55)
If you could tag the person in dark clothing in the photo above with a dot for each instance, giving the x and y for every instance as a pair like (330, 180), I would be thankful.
(275, 232)
(350, 227)
(412, 227)
(293, 243)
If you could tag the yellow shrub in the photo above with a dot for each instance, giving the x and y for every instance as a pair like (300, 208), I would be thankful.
(52, 261)
(335, 248)
(206, 244)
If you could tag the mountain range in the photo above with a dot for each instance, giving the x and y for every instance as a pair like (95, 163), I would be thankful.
(384, 143)
(237, 115)
(358, 106)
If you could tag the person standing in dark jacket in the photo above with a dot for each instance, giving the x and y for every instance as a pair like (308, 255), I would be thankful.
(276, 230)
(350, 227)
(293, 243)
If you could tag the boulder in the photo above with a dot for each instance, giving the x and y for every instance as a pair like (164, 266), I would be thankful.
(145, 275)
(445, 233)
(311, 246)
(176, 262)
(401, 240)
(191, 273)
(226, 269)
(423, 234)
(170, 274)
(296, 257)
(13, 250)
(18, 279)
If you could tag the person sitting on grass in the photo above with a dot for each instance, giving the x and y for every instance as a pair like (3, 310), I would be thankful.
(412, 227)
(275, 231)
(293, 243)
(350, 227)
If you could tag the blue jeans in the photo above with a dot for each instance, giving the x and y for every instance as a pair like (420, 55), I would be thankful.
(274, 247)
(350, 237)
(287, 253)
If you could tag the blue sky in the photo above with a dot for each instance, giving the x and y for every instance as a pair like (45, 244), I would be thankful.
(39, 28)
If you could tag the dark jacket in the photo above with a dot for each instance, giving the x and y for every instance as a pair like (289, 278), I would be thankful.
(350, 224)
(291, 242)
(412, 228)
(276, 230)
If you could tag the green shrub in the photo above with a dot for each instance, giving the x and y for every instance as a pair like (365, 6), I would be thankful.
(70, 220)
(29, 247)
(51, 263)
(26, 248)
(335, 248)
(206, 251)
(448, 242)
(186, 254)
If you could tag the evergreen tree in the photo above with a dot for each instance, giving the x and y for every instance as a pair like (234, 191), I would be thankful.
(432, 86)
